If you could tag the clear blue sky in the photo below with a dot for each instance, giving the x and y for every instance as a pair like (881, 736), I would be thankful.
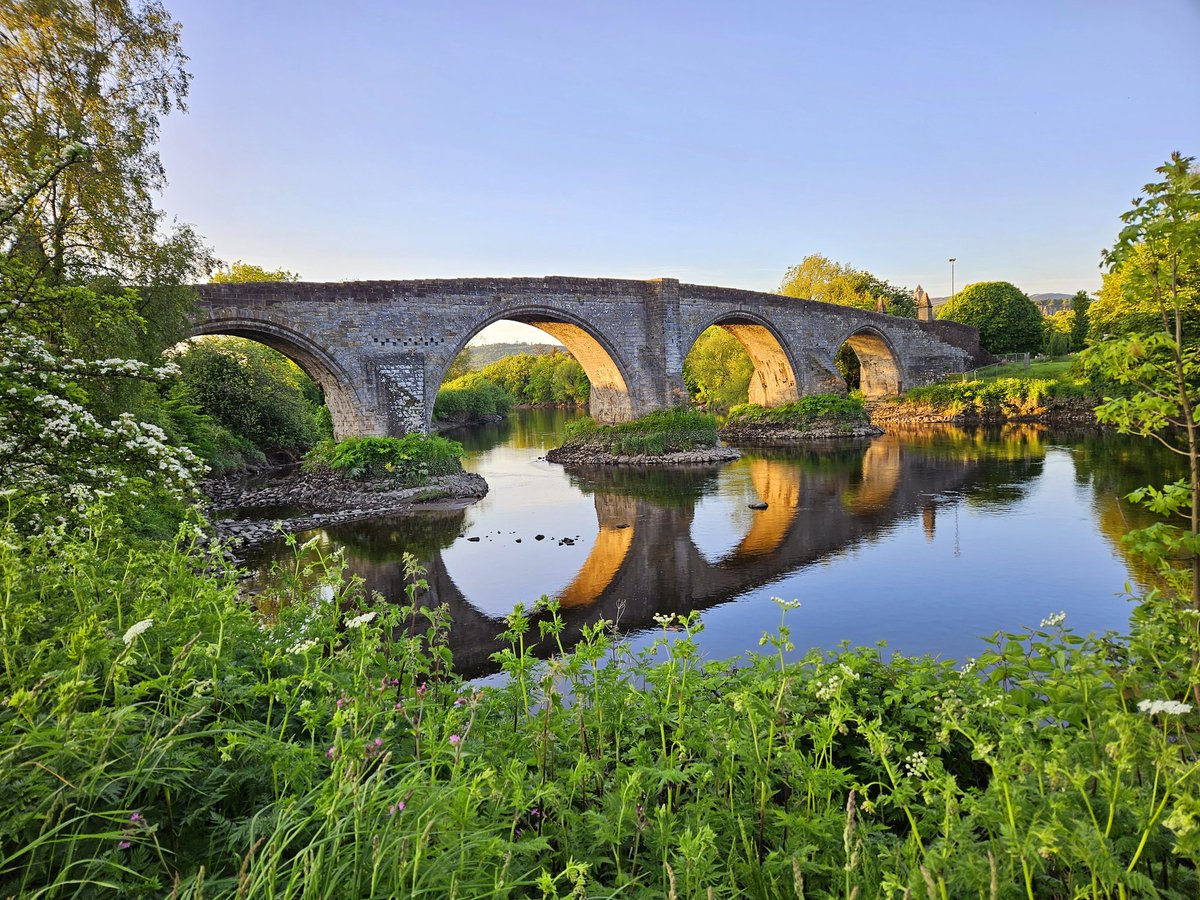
(712, 142)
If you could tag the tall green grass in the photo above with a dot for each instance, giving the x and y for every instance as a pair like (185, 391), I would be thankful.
(159, 736)
(666, 431)
(410, 459)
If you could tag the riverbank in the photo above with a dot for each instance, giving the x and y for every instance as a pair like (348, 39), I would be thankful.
(305, 500)
(1067, 410)
(591, 455)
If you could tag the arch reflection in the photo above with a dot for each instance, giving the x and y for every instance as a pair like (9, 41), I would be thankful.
(645, 555)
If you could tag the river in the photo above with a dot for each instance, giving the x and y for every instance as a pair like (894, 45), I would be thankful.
(924, 539)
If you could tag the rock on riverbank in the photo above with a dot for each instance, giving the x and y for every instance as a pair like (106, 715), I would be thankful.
(767, 433)
(589, 455)
(321, 499)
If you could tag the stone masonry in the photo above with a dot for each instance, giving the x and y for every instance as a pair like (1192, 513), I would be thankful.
(380, 349)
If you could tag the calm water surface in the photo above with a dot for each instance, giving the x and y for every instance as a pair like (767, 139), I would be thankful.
(924, 539)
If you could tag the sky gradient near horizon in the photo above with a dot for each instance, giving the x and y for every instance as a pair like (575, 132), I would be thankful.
(716, 143)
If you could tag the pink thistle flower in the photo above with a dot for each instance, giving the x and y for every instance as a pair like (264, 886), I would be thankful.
(395, 808)
(135, 817)
(461, 701)
(454, 739)
(124, 845)
(331, 753)
(421, 690)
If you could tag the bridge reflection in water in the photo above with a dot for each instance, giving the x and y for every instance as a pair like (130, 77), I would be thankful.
(650, 554)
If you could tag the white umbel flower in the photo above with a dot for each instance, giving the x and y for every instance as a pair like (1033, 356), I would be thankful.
(137, 629)
(1170, 707)
(358, 621)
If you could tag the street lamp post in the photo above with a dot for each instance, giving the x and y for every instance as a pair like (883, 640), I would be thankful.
(952, 275)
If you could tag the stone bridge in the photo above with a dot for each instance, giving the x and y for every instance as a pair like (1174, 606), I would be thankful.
(379, 349)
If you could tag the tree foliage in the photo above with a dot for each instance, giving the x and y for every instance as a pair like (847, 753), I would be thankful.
(253, 391)
(819, 278)
(1154, 258)
(541, 379)
(100, 74)
(1125, 305)
(243, 271)
(717, 370)
(1081, 303)
(1008, 321)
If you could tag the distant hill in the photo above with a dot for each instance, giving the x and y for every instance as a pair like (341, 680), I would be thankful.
(480, 355)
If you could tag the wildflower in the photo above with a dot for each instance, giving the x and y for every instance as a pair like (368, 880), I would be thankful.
(786, 604)
(360, 620)
(915, 764)
(460, 701)
(396, 807)
(331, 753)
(303, 646)
(454, 739)
(1054, 620)
(421, 690)
(1170, 707)
(326, 592)
(124, 845)
(135, 818)
(378, 742)
(137, 629)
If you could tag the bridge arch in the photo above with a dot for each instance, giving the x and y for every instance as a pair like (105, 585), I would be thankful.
(774, 380)
(879, 362)
(610, 400)
(344, 404)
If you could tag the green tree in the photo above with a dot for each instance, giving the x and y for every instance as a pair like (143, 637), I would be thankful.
(1154, 258)
(1079, 319)
(1008, 321)
(717, 370)
(83, 86)
(1057, 327)
(819, 278)
(1123, 306)
(242, 272)
(99, 74)
(251, 390)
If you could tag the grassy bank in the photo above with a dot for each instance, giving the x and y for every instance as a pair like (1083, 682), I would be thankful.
(160, 736)
(998, 397)
(666, 431)
(816, 410)
(405, 461)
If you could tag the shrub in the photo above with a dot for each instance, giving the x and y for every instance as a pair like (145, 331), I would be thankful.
(410, 459)
(666, 431)
(1008, 321)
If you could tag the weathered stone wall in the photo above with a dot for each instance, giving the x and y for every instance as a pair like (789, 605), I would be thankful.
(381, 348)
